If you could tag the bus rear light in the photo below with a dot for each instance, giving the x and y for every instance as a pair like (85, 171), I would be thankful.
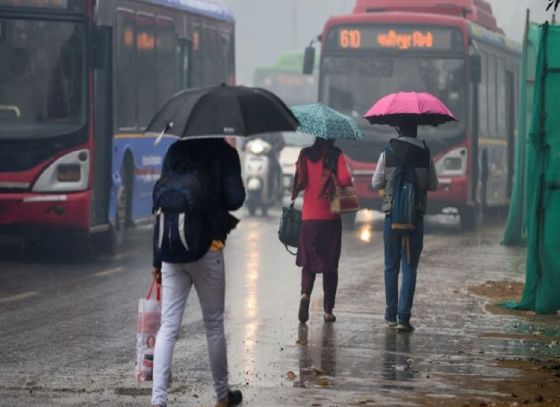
(69, 173)
(454, 163)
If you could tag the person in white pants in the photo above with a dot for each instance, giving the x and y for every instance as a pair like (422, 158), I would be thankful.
(207, 276)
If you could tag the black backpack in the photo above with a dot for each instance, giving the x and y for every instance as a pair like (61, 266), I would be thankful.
(181, 203)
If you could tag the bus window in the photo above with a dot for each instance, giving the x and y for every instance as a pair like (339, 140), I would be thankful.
(146, 68)
(197, 60)
(483, 96)
(225, 47)
(230, 66)
(165, 60)
(210, 56)
(184, 50)
(126, 72)
(492, 96)
(502, 100)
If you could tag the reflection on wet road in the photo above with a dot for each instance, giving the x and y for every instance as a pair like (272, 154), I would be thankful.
(67, 324)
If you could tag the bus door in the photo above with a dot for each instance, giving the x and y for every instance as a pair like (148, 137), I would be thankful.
(101, 60)
(510, 125)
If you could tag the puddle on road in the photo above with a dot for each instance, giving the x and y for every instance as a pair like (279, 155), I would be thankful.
(133, 391)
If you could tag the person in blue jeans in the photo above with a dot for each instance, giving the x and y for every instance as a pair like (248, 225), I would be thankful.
(412, 152)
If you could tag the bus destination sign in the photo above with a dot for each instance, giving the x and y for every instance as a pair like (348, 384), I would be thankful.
(399, 38)
(52, 4)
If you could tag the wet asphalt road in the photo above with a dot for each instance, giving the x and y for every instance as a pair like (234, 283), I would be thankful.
(67, 324)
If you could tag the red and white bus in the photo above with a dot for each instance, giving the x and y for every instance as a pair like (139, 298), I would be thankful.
(450, 48)
(79, 81)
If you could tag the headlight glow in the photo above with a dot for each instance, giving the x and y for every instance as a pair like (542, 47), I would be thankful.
(256, 148)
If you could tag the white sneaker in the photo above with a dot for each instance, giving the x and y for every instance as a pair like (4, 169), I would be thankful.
(405, 327)
(390, 324)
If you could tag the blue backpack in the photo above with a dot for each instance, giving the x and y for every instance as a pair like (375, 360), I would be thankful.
(403, 201)
(181, 203)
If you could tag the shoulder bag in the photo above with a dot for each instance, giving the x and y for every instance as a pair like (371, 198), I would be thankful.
(290, 225)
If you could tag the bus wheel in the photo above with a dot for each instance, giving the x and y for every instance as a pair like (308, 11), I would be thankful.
(470, 218)
(110, 242)
(121, 218)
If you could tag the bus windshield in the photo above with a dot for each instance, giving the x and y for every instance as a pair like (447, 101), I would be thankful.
(42, 78)
(352, 84)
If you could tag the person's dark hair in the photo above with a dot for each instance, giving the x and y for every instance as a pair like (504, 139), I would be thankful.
(319, 148)
(407, 128)
(194, 151)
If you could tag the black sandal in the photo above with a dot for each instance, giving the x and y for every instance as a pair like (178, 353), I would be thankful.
(303, 313)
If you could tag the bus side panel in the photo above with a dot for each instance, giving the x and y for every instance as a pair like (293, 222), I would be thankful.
(147, 159)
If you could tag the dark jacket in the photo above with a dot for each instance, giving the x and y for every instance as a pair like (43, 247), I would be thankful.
(227, 190)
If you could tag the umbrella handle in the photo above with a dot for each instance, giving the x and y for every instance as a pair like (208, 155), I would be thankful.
(167, 127)
(158, 139)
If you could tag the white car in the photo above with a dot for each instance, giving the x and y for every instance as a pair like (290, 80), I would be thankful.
(290, 153)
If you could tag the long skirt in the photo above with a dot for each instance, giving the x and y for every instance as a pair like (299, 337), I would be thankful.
(319, 246)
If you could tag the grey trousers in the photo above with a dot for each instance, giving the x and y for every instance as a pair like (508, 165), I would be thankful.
(208, 277)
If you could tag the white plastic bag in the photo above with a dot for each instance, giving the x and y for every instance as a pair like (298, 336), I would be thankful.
(147, 326)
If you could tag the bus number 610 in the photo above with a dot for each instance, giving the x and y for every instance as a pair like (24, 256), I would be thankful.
(350, 39)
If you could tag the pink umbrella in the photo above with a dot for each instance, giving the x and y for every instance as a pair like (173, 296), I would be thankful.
(420, 108)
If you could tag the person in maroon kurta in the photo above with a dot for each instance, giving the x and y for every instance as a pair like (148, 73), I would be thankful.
(321, 230)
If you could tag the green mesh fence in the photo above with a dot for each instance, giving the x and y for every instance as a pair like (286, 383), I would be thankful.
(542, 186)
(515, 232)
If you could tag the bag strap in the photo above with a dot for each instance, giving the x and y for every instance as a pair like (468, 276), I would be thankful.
(392, 153)
(289, 251)
(158, 290)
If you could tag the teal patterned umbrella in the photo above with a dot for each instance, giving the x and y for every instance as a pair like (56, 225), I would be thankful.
(321, 121)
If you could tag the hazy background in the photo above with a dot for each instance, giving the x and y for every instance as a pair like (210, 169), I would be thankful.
(269, 28)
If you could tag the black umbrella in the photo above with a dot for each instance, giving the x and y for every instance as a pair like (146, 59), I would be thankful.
(223, 111)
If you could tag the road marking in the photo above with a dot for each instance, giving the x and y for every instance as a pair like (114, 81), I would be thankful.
(109, 272)
(18, 297)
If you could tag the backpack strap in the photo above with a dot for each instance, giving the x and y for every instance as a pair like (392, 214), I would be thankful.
(427, 149)
(389, 150)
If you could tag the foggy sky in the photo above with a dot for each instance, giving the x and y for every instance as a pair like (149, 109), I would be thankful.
(268, 28)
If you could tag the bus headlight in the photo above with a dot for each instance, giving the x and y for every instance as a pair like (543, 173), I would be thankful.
(67, 174)
(452, 163)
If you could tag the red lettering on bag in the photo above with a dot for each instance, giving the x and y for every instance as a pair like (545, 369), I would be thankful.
(151, 341)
